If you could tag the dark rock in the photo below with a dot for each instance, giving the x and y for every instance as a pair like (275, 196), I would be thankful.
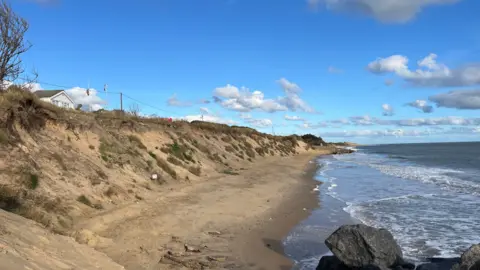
(475, 266)
(331, 263)
(406, 265)
(360, 245)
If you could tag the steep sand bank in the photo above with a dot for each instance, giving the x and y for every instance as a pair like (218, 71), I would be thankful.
(235, 221)
(89, 176)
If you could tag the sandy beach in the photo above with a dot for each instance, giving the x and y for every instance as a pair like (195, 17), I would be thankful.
(234, 221)
(226, 222)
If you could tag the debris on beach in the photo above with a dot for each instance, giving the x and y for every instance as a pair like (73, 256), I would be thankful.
(215, 233)
(191, 249)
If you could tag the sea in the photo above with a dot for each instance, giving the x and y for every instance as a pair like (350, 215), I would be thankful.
(426, 195)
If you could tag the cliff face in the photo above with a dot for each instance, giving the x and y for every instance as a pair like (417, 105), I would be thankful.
(57, 165)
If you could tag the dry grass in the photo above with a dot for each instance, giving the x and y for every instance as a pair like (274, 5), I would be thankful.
(111, 191)
(195, 170)
(230, 172)
(4, 137)
(175, 161)
(250, 153)
(60, 161)
(227, 139)
(136, 140)
(166, 168)
(260, 151)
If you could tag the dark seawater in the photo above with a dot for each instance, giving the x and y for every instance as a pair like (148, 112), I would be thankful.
(427, 195)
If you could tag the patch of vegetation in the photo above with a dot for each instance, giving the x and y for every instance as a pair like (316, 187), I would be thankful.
(91, 147)
(152, 154)
(105, 158)
(83, 199)
(230, 172)
(195, 170)
(166, 168)
(33, 181)
(150, 164)
(136, 140)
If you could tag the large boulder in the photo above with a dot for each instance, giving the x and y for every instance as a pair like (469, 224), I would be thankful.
(470, 259)
(360, 245)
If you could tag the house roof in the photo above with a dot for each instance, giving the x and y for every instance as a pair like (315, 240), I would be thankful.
(46, 93)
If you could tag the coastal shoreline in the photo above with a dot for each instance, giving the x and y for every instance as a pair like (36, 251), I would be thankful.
(235, 221)
(262, 247)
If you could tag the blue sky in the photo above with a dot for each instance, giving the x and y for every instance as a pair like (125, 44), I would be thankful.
(368, 71)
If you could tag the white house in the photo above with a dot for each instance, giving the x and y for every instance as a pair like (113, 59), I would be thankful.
(56, 97)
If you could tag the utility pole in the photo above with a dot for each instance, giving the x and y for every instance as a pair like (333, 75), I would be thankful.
(121, 101)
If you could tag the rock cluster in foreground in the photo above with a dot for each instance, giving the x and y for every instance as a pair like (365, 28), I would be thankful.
(362, 247)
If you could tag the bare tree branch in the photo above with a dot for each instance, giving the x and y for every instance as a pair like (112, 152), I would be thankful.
(134, 110)
(12, 43)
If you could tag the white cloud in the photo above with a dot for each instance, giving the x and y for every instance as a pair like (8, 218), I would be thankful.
(30, 86)
(411, 122)
(429, 73)
(243, 100)
(245, 115)
(387, 110)
(389, 11)
(209, 118)
(204, 110)
(293, 118)
(79, 96)
(292, 99)
(459, 99)
(228, 91)
(401, 132)
(259, 123)
(332, 69)
(421, 105)
(389, 82)
(175, 102)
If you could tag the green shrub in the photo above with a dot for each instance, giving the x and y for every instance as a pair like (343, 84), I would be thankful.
(152, 154)
(83, 199)
(33, 181)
